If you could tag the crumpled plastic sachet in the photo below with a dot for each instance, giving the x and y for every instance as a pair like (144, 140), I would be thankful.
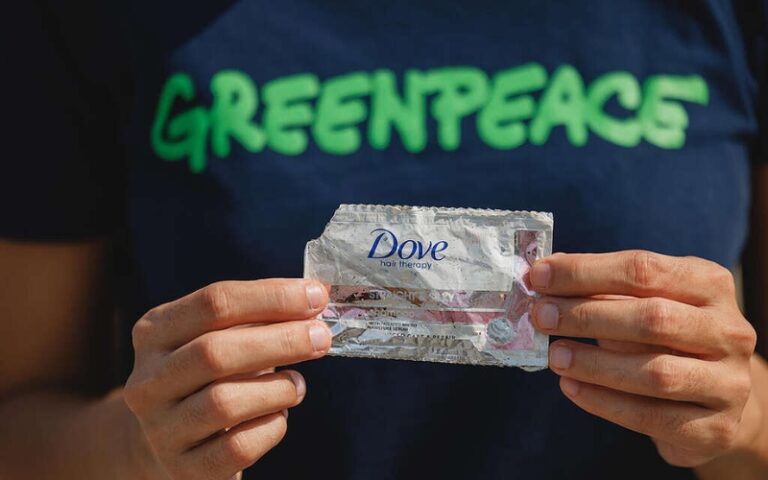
(432, 284)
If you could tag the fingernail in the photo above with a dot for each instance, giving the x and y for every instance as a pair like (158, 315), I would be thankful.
(299, 382)
(540, 275)
(561, 357)
(569, 386)
(320, 336)
(285, 412)
(315, 295)
(548, 316)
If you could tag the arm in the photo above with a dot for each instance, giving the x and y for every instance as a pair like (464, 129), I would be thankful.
(675, 358)
(749, 458)
(205, 401)
(53, 311)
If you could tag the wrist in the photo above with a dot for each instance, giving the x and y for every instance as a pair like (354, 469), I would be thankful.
(744, 460)
(753, 435)
(139, 462)
(751, 439)
(749, 456)
(747, 459)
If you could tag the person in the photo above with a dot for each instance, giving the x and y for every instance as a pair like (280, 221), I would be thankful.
(169, 160)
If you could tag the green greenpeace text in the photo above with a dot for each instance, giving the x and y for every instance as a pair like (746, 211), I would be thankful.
(509, 108)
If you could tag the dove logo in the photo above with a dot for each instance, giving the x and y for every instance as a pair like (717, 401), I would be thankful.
(386, 244)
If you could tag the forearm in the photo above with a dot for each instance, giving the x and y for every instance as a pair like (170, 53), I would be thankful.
(750, 459)
(62, 436)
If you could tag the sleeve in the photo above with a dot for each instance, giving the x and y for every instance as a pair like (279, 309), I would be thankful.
(759, 55)
(63, 168)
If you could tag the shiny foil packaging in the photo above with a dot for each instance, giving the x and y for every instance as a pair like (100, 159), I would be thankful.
(432, 284)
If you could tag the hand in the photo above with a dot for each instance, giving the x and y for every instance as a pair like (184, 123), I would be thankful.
(673, 360)
(203, 386)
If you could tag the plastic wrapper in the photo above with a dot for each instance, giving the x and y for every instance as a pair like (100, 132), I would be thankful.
(432, 284)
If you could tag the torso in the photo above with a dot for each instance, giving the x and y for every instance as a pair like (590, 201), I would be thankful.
(591, 78)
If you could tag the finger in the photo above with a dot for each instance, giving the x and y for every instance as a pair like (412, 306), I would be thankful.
(237, 449)
(631, 347)
(225, 404)
(684, 424)
(219, 355)
(249, 375)
(651, 374)
(226, 304)
(681, 457)
(654, 321)
(627, 347)
(636, 273)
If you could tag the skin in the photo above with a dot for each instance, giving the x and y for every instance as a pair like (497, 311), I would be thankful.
(675, 357)
(674, 362)
(207, 404)
(203, 401)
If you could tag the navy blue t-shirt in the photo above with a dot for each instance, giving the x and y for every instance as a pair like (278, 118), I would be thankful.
(221, 136)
